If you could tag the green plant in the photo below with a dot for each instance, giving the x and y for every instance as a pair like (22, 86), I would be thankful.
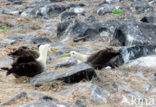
(117, 12)
(4, 27)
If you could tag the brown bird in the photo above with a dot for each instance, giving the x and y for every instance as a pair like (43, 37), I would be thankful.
(23, 50)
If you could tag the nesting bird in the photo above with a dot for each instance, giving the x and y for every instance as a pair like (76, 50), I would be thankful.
(27, 65)
(23, 50)
(98, 60)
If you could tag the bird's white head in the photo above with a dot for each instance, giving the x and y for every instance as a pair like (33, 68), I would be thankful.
(73, 54)
(76, 55)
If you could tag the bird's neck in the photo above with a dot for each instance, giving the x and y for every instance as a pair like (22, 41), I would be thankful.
(42, 59)
(82, 57)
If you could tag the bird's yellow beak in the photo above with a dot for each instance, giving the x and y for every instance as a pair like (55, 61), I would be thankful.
(66, 55)
(53, 50)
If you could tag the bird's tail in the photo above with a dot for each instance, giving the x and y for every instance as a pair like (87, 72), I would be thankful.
(6, 69)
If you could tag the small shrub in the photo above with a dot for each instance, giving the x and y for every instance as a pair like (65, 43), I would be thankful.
(117, 12)
(4, 27)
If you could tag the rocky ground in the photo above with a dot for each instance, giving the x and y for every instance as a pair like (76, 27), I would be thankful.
(84, 26)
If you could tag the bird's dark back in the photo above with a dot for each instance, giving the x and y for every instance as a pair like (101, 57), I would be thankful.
(102, 57)
(23, 50)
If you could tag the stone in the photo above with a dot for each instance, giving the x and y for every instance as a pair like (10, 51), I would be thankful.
(46, 104)
(33, 39)
(149, 19)
(41, 96)
(99, 95)
(104, 9)
(141, 7)
(79, 31)
(18, 96)
(73, 75)
(80, 103)
(67, 15)
(43, 10)
(134, 33)
(5, 42)
(128, 54)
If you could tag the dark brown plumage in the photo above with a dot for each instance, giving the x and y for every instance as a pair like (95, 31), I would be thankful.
(102, 58)
(25, 65)
(23, 50)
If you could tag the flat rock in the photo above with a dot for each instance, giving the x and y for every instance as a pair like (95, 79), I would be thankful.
(5, 42)
(134, 33)
(33, 39)
(46, 104)
(75, 74)
(131, 53)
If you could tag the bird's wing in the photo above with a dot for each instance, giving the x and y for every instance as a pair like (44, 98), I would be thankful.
(27, 69)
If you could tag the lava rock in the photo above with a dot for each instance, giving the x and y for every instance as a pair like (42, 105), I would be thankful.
(18, 96)
(29, 38)
(151, 20)
(75, 74)
(132, 53)
(5, 42)
(41, 96)
(47, 10)
(80, 30)
(141, 7)
(99, 95)
(107, 8)
(46, 104)
(80, 103)
(134, 33)
(67, 15)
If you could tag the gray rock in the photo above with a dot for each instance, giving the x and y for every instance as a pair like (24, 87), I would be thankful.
(41, 96)
(80, 103)
(75, 74)
(67, 15)
(80, 30)
(29, 38)
(99, 95)
(133, 33)
(43, 10)
(146, 87)
(150, 19)
(107, 8)
(5, 42)
(18, 96)
(131, 53)
(67, 63)
(5, 61)
(46, 104)
(141, 7)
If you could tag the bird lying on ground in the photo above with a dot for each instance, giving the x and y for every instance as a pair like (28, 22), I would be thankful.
(98, 60)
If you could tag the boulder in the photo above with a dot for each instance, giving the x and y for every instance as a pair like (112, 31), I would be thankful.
(135, 33)
(46, 104)
(132, 53)
(73, 75)
(150, 19)
(33, 39)
(80, 30)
